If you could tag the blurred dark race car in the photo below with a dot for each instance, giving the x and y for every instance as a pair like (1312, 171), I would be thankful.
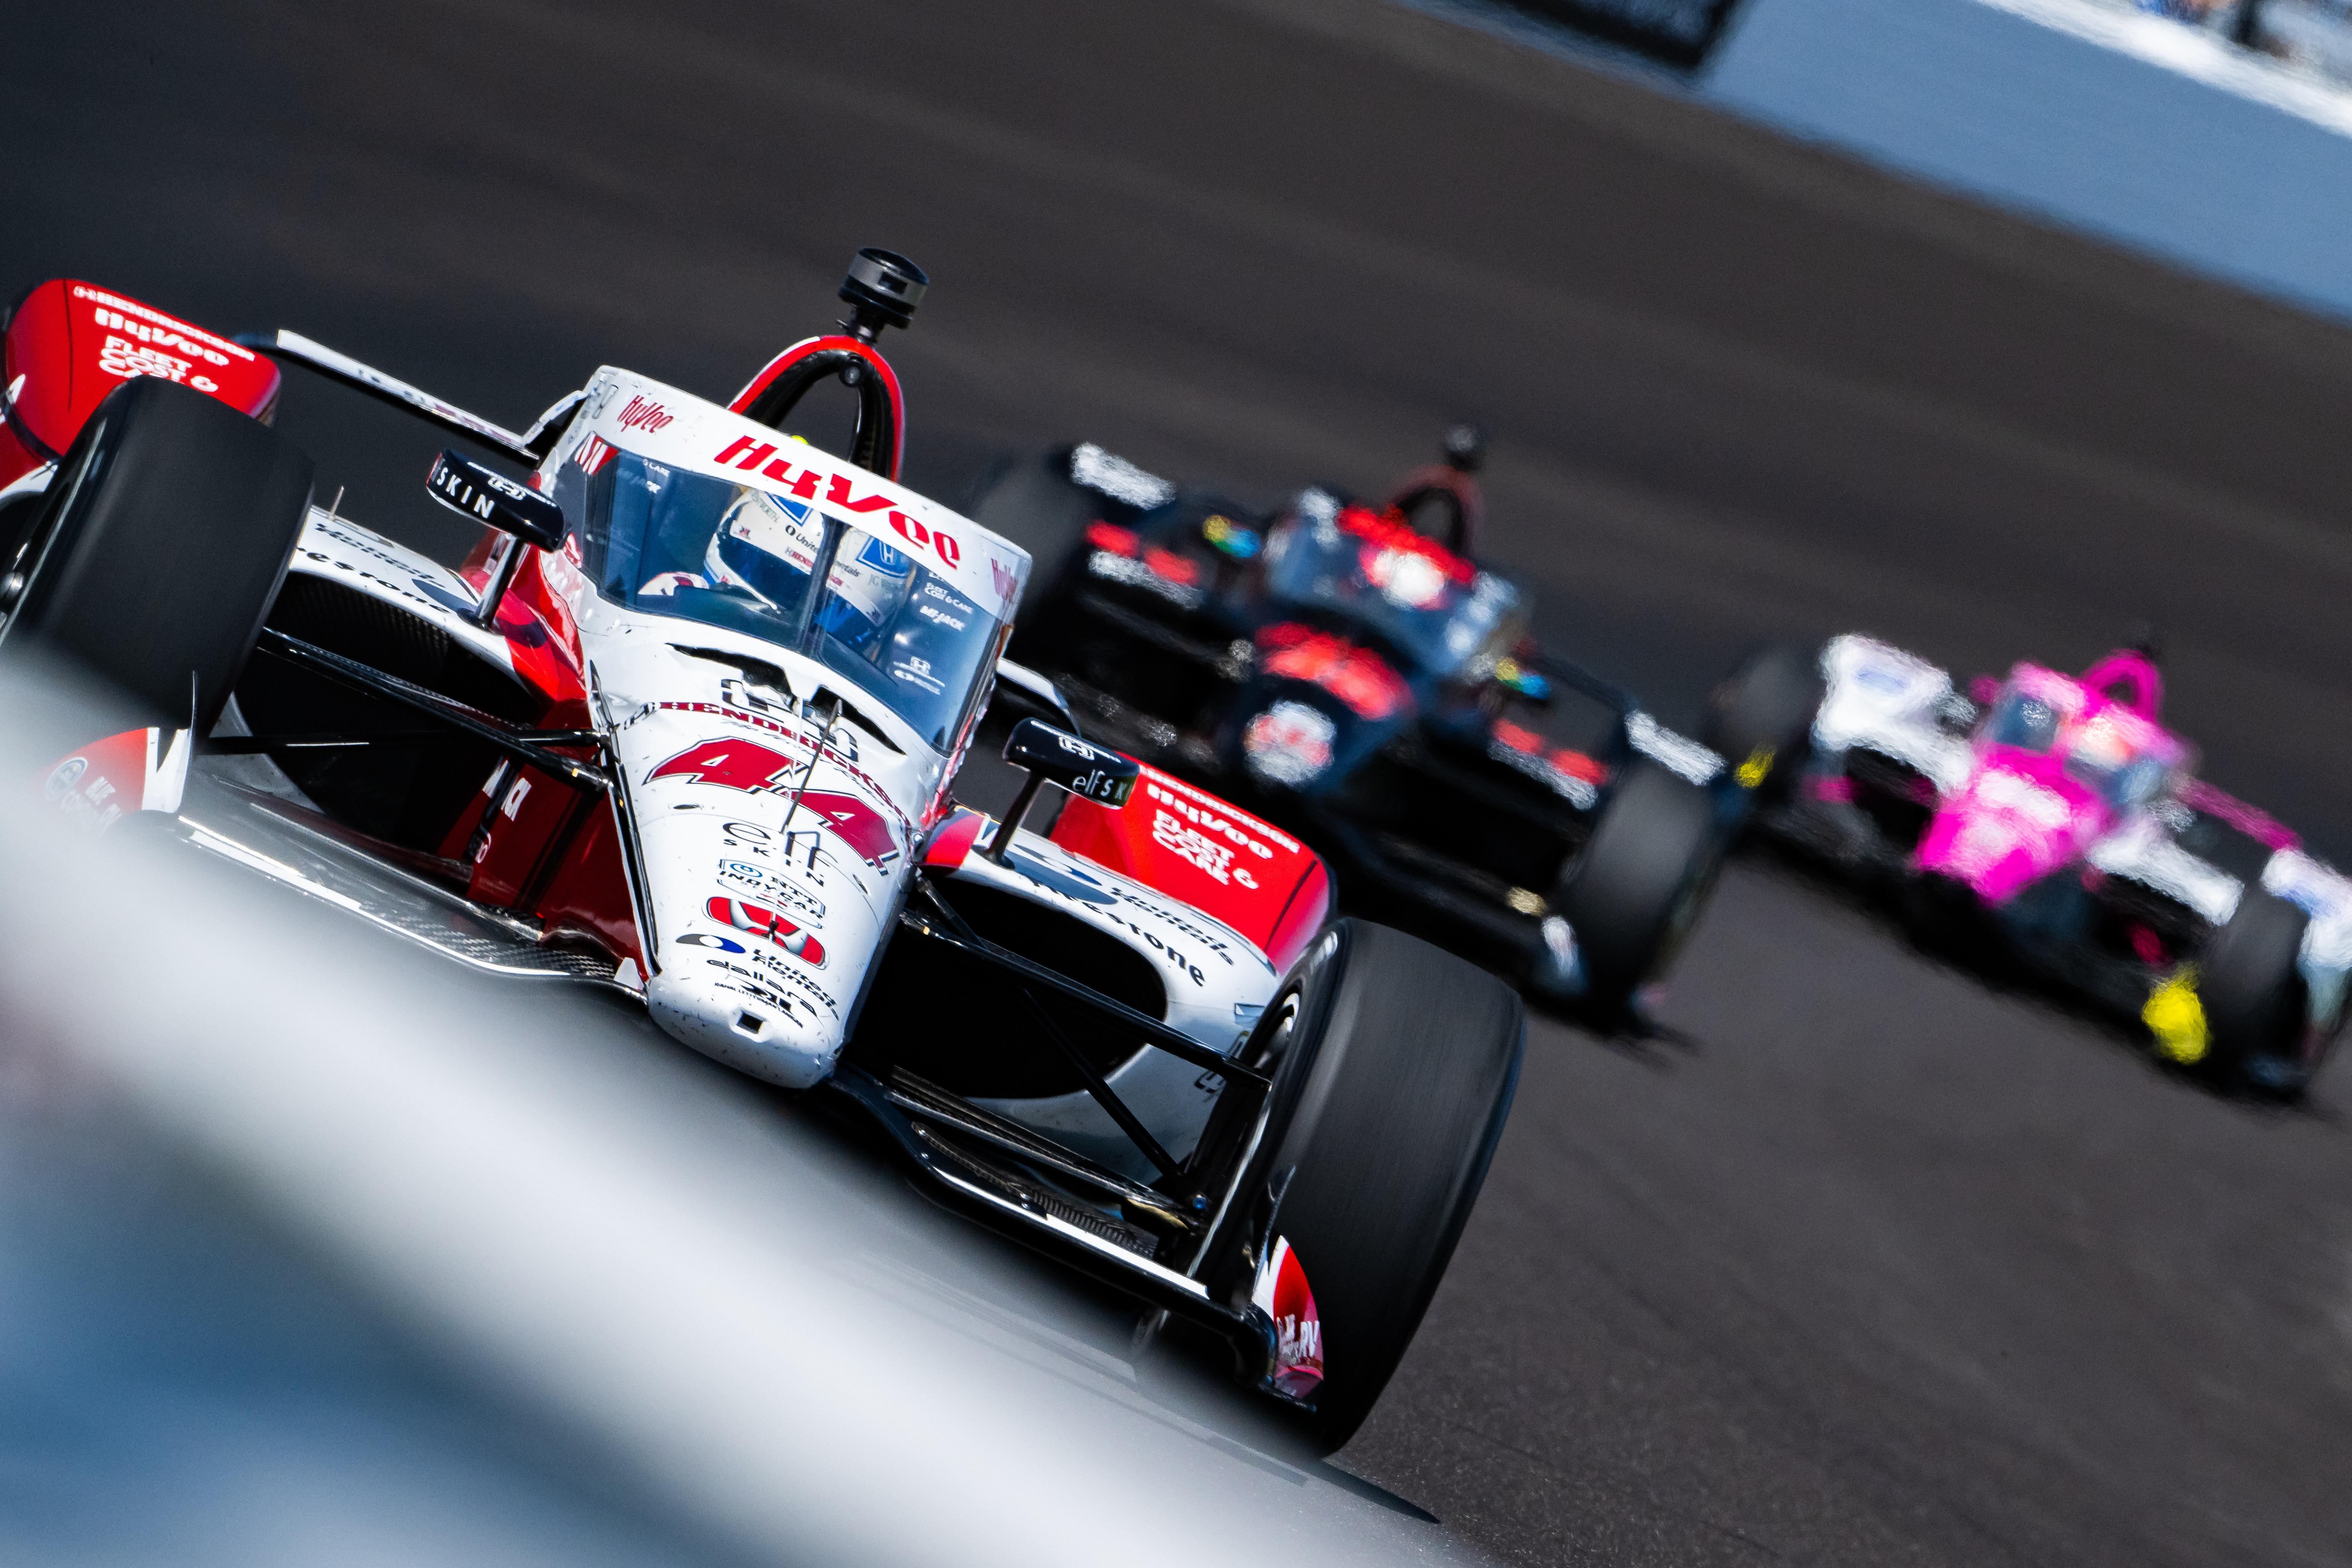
(1351, 671)
(687, 725)
(2055, 822)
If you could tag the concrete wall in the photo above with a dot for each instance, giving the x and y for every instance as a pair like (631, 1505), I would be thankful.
(2213, 162)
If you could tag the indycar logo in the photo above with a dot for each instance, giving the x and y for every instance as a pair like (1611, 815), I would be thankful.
(768, 885)
(766, 923)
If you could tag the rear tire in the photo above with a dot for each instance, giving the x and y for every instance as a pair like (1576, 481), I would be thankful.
(165, 538)
(1634, 892)
(2250, 983)
(1389, 1099)
(1761, 718)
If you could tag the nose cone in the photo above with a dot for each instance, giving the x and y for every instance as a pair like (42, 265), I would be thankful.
(721, 1008)
(2006, 831)
(1989, 853)
(768, 899)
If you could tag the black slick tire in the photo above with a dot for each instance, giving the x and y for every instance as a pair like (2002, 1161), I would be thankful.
(165, 538)
(1389, 1099)
(2252, 986)
(1761, 717)
(1630, 897)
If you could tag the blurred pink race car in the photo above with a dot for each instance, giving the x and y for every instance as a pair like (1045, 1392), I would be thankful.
(2055, 817)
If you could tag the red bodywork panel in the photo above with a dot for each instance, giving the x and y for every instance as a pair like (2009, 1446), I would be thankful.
(538, 846)
(104, 779)
(74, 343)
(1196, 848)
(1357, 676)
(535, 844)
(557, 855)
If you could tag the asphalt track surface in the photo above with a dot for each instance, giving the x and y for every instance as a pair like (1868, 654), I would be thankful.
(1867, 1264)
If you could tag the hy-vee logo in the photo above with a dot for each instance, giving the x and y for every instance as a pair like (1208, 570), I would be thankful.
(750, 766)
(761, 455)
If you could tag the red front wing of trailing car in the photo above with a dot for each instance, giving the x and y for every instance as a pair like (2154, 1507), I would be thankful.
(70, 343)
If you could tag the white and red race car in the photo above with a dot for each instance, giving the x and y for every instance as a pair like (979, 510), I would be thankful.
(2053, 824)
(685, 724)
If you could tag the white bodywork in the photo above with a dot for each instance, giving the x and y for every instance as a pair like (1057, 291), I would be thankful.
(1217, 985)
(772, 856)
(1882, 699)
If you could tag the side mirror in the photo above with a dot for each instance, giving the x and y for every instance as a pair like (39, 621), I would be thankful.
(1058, 757)
(1087, 771)
(486, 496)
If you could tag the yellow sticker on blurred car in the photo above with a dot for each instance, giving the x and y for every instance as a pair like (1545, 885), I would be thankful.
(2176, 1018)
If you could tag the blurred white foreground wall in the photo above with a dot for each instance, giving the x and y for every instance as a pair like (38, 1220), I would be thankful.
(750, 1322)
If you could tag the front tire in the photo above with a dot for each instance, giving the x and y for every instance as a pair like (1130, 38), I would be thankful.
(2250, 979)
(1388, 1102)
(166, 535)
(1761, 719)
(1632, 896)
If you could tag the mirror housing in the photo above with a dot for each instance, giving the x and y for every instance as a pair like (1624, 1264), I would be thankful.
(1058, 757)
(486, 496)
(1087, 771)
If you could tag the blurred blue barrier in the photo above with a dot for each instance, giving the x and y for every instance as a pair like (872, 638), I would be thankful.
(2213, 160)
(2090, 116)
